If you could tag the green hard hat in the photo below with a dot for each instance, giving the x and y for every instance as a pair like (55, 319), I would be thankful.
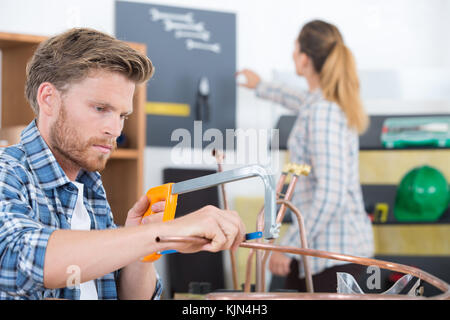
(423, 195)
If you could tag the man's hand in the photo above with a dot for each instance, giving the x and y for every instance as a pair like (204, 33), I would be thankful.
(134, 217)
(224, 229)
(279, 264)
(137, 280)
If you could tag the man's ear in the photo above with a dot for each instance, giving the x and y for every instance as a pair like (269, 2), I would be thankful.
(48, 99)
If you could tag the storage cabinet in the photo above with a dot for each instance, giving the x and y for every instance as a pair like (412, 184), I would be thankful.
(423, 245)
(123, 175)
(419, 244)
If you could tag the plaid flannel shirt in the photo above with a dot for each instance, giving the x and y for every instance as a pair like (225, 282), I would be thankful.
(330, 197)
(37, 198)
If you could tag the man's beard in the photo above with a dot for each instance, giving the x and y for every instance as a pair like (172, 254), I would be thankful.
(68, 142)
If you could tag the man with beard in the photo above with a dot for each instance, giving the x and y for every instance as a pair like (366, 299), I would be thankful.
(57, 235)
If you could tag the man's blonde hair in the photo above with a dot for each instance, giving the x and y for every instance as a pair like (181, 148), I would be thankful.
(70, 56)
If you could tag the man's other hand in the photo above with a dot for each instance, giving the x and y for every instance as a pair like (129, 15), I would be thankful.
(135, 214)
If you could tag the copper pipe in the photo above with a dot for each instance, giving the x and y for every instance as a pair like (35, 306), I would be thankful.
(259, 285)
(194, 240)
(219, 159)
(281, 181)
(202, 241)
(279, 187)
(287, 196)
(280, 217)
(302, 234)
(234, 270)
(425, 276)
(303, 243)
(443, 286)
(248, 271)
(249, 265)
(258, 262)
(296, 170)
(308, 296)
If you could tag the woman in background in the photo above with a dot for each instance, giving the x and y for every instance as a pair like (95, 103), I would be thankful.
(330, 116)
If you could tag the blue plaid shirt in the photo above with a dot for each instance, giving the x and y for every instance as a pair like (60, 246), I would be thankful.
(330, 197)
(37, 198)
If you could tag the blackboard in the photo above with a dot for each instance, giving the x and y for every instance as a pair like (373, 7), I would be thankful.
(184, 45)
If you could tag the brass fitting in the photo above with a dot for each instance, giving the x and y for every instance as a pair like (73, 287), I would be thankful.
(299, 169)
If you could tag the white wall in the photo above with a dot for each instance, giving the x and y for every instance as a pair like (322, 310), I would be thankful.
(401, 47)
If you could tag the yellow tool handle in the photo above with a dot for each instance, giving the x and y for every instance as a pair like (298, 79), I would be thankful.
(157, 194)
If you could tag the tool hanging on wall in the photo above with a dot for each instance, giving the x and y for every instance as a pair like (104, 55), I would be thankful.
(157, 15)
(213, 47)
(204, 35)
(169, 193)
(381, 212)
(203, 110)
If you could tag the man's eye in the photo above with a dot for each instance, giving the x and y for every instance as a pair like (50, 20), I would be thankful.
(99, 109)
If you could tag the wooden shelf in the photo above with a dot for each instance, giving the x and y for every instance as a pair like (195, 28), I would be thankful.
(10, 40)
(123, 175)
(389, 166)
(125, 154)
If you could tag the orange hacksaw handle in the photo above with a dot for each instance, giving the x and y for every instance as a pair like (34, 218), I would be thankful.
(157, 194)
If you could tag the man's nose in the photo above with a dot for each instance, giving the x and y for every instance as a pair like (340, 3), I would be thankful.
(114, 126)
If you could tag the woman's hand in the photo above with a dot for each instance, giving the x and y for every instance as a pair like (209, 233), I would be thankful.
(252, 78)
(279, 264)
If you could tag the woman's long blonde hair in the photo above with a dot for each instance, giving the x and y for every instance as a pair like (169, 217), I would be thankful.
(334, 63)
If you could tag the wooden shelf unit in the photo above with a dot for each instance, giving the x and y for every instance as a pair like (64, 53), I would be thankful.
(123, 175)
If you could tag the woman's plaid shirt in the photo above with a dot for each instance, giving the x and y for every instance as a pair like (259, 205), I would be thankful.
(330, 197)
